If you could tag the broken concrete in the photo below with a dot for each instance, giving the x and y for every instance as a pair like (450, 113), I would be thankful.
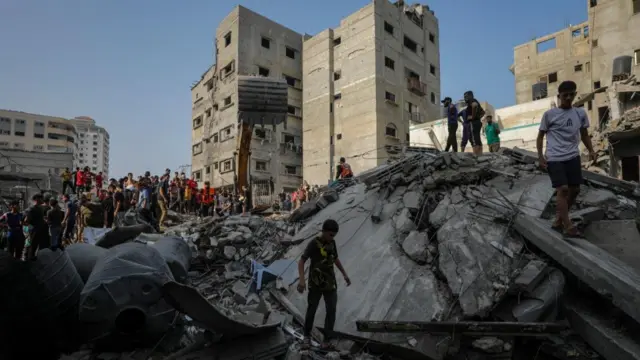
(599, 269)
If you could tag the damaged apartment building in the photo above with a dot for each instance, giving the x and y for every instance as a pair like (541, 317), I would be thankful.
(366, 82)
(584, 53)
(248, 44)
(602, 55)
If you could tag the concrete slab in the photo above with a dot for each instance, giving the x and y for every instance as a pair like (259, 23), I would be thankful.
(609, 338)
(474, 268)
(603, 272)
(384, 283)
(619, 238)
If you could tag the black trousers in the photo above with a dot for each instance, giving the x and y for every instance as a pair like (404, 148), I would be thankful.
(204, 210)
(330, 303)
(452, 141)
(68, 185)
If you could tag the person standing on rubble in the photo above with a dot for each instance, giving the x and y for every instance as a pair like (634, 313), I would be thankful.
(79, 181)
(37, 231)
(564, 127)
(66, 181)
(492, 133)
(69, 220)
(54, 219)
(452, 124)
(474, 114)
(323, 252)
(163, 198)
(466, 129)
(16, 238)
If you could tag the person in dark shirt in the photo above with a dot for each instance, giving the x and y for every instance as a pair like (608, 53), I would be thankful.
(54, 219)
(323, 253)
(37, 230)
(163, 198)
(69, 219)
(119, 205)
(14, 224)
(108, 207)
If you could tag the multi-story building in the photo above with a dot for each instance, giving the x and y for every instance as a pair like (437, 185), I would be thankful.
(583, 53)
(93, 145)
(366, 82)
(248, 44)
(32, 132)
(201, 113)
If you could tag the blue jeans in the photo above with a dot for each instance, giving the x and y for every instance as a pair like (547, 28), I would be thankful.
(55, 233)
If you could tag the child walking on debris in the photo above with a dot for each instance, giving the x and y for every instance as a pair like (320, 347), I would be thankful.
(564, 127)
(323, 253)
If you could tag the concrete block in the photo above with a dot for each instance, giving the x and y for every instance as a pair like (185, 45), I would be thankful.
(600, 270)
(412, 200)
(619, 238)
(609, 339)
(470, 263)
(530, 276)
(587, 215)
(415, 246)
(403, 222)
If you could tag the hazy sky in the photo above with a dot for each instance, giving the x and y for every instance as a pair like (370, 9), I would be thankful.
(129, 64)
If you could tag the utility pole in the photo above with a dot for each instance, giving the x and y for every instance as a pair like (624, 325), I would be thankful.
(186, 169)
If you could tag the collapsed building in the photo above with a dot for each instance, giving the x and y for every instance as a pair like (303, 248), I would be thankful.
(451, 256)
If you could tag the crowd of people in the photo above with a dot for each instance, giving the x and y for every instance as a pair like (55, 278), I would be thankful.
(89, 200)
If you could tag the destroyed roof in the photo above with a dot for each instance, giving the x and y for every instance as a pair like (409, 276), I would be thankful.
(432, 238)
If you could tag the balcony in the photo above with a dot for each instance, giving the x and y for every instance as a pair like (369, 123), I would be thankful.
(414, 117)
(416, 86)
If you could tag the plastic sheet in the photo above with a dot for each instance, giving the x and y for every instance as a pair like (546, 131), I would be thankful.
(122, 302)
(40, 303)
(121, 235)
(177, 254)
(84, 257)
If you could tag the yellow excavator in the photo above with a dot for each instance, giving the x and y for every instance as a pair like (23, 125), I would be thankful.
(262, 101)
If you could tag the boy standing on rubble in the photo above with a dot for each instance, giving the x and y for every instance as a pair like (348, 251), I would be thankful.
(452, 124)
(323, 253)
(564, 127)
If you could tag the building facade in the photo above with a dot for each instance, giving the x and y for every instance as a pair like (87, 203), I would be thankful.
(93, 145)
(40, 133)
(366, 82)
(583, 53)
(248, 44)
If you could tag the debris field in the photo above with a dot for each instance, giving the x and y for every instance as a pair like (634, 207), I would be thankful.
(451, 256)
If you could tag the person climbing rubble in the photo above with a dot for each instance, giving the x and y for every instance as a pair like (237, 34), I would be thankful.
(452, 124)
(564, 127)
(323, 252)
(474, 115)
(343, 170)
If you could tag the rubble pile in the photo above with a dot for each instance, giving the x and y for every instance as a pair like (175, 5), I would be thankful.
(451, 256)
(629, 121)
(439, 238)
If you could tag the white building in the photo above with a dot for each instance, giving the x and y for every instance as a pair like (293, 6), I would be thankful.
(93, 145)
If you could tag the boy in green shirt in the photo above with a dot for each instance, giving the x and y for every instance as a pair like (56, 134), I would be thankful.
(492, 132)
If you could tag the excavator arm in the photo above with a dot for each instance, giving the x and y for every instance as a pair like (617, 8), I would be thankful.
(261, 102)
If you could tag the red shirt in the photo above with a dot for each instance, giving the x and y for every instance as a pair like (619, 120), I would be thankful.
(80, 178)
(99, 180)
(87, 177)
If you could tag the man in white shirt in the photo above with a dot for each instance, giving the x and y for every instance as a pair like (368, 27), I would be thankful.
(564, 126)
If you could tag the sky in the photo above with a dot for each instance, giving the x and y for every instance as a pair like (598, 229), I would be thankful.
(130, 64)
